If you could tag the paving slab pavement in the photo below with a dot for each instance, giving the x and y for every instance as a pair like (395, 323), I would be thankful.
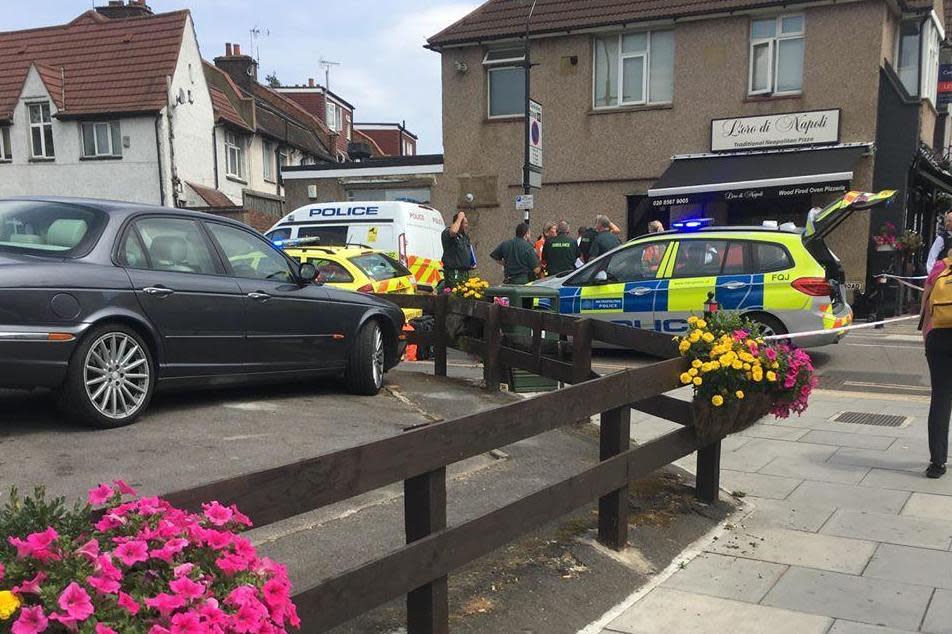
(844, 534)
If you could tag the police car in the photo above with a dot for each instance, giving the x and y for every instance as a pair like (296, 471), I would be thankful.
(786, 279)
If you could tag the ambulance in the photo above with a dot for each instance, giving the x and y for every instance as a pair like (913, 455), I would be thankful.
(408, 232)
(784, 278)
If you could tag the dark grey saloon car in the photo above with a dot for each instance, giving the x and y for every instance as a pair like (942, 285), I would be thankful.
(106, 301)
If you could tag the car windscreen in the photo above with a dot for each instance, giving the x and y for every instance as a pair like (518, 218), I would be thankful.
(49, 228)
(378, 266)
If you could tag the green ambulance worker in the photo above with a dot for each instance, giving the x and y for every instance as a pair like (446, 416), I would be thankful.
(519, 259)
(459, 259)
(605, 238)
(560, 251)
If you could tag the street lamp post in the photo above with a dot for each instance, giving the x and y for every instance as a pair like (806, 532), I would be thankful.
(526, 188)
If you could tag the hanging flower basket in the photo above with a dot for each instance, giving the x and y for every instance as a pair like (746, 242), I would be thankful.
(714, 423)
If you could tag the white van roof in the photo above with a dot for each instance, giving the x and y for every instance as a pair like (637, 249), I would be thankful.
(343, 210)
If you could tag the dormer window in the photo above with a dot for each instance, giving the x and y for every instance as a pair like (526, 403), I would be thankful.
(41, 131)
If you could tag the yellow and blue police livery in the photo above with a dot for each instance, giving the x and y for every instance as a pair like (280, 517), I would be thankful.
(786, 279)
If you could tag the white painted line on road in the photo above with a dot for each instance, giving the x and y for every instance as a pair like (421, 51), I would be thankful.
(882, 396)
(880, 345)
(889, 386)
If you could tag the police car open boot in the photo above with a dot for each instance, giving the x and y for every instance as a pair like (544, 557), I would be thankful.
(935, 470)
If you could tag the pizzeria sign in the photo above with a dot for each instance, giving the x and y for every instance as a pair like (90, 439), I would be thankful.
(791, 129)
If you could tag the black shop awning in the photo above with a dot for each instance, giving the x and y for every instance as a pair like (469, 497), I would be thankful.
(709, 177)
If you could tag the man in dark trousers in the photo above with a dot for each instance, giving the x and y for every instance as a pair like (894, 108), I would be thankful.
(585, 237)
(519, 259)
(459, 259)
(605, 238)
(560, 251)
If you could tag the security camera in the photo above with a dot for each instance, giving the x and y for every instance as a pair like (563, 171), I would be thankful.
(461, 67)
(469, 198)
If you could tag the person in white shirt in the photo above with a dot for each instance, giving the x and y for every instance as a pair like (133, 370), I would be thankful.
(939, 248)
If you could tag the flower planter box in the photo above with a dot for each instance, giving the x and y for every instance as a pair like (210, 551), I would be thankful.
(714, 423)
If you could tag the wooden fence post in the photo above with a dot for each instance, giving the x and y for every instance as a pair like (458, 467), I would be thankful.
(424, 507)
(614, 438)
(582, 351)
(492, 336)
(440, 335)
(708, 478)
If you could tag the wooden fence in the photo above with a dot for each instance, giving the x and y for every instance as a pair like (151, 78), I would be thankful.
(419, 459)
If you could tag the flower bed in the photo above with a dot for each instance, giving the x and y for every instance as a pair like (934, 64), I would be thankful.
(738, 377)
(143, 567)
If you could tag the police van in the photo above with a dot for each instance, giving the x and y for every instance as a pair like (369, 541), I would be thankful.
(785, 278)
(408, 232)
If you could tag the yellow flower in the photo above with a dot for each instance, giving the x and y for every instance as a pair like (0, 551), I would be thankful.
(692, 320)
(692, 372)
(737, 365)
(8, 604)
(684, 346)
(717, 400)
(694, 336)
(746, 366)
(706, 367)
(686, 378)
(758, 378)
(696, 363)
(701, 324)
(774, 365)
(698, 380)
(707, 337)
(739, 394)
(715, 365)
(771, 376)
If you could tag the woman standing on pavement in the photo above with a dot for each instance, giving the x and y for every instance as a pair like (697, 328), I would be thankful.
(938, 343)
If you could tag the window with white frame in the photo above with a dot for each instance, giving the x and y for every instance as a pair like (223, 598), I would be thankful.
(267, 159)
(917, 56)
(234, 155)
(101, 139)
(634, 69)
(6, 150)
(333, 116)
(41, 131)
(776, 55)
(347, 127)
(506, 82)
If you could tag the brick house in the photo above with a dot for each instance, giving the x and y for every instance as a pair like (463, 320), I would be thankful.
(393, 138)
(660, 110)
(331, 109)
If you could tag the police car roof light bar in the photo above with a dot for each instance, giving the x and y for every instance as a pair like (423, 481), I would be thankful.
(692, 224)
(296, 242)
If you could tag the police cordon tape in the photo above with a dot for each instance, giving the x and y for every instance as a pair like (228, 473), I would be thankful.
(811, 333)
(903, 280)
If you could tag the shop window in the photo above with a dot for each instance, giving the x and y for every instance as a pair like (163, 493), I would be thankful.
(634, 69)
(101, 138)
(41, 131)
(506, 81)
(6, 149)
(776, 55)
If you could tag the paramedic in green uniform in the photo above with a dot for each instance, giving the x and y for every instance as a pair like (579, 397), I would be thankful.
(519, 259)
(605, 238)
(560, 251)
(458, 257)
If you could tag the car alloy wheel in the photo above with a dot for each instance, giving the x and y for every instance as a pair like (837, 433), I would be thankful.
(378, 358)
(116, 375)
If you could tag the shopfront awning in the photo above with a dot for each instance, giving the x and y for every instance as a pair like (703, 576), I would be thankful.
(691, 180)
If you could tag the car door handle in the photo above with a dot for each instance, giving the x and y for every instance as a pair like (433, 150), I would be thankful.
(641, 290)
(158, 291)
(733, 286)
(259, 296)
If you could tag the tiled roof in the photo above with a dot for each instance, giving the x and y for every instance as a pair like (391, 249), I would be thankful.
(224, 111)
(222, 105)
(498, 19)
(294, 109)
(110, 65)
(214, 198)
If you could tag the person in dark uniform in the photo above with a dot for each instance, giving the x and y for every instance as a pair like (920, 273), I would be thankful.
(518, 257)
(459, 259)
(605, 239)
(560, 251)
(585, 237)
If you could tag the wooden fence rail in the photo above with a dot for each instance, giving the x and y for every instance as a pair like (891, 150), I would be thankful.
(419, 459)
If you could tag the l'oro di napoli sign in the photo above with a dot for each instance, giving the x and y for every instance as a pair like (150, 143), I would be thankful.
(789, 129)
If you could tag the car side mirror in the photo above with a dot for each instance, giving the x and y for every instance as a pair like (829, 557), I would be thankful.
(308, 272)
(601, 277)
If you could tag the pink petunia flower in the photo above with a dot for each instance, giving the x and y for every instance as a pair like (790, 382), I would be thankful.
(75, 602)
(128, 604)
(186, 588)
(66, 620)
(183, 569)
(100, 495)
(90, 550)
(31, 621)
(217, 514)
(187, 623)
(103, 585)
(771, 354)
(158, 629)
(132, 552)
(104, 629)
(165, 604)
(231, 564)
(124, 488)
(31, 586)
(218, 540)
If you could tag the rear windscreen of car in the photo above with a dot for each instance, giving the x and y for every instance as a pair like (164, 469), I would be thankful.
(329, 236)
(56, 228)
(379, 267)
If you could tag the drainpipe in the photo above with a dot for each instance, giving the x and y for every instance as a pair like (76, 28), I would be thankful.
(173, 170)
(158, 156)
(215, 152)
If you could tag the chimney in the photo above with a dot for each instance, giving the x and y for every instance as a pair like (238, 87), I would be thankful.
(310, 82)
(118, 10)
(242, 69)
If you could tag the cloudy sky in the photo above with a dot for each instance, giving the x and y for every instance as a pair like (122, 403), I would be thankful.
(384, 69)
